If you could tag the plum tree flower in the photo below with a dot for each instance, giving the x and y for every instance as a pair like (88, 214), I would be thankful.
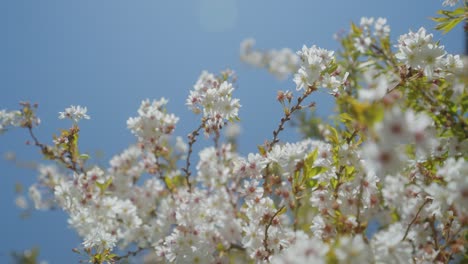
(354, 250)
(314, 63)
(450, 2)
(213, 97)
(388, 247)
(152, 122)
(281, 63)
(381, 30)
(304, 250)
(418, 50)
(75, 113)
(9, 118)
(99, 239)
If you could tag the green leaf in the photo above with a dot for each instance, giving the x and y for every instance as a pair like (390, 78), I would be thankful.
(345, 117)
(282, 211)
(333, 137)
(312, 183)
(349, 170)
(169, 183)
(440, 19)
(333, 182)
(84, 156)
(309, 170)
(449, 19)
(355, 29)
(103, 186)
(445, 27)
(316, 171)
(386, 45)
(261, 150)
(310, 159)
(331, 68)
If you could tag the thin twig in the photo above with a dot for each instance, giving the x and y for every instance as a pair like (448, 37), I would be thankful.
(287, 116)
(296, 212)
(358, 213)
(415, 217)
(192, 137)
(162, 177)
(47, 151)
(265, 241)
(129, 253)
(434, 234)
(385, 55)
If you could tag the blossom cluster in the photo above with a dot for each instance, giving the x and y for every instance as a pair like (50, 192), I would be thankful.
(318, 69)
(371, 27)
(8, 118)
(419, 51)
(74, 113)
(386, 182)
(450, 2)
(152, 123)
(212, 96)
(281, 63)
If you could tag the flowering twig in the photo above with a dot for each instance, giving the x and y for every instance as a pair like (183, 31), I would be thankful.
(415, 217)
(162, 177)
(434, 233)
(129, 253)
(296, 212)
(385, 55)
(48, 152)
(287, 116)
(265, 240)
(358, 213)
(192, 137)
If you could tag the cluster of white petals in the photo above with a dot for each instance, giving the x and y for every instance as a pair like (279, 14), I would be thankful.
(9, 118)
(153, 122)
(453, 193)
(450, 2)
(101, 218)
(419, 51)
(304, 250)
(204, 222)
(395, 130)
(371, 27)
(376, 84)
(281, 63)
(212, 96)
(316, 70)
(75, 113)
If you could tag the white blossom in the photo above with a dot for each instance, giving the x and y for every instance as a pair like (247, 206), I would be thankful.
(281, 63)
(419, 51)
(9, 118)
(75, 113)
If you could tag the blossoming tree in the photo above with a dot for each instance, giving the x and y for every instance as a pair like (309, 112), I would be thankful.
(394, 157)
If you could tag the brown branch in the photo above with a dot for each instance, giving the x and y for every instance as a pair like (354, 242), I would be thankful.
(358, 213)
(415, 217)
(296, 212)
(192, 137)
(162, 177)
(287, 116)
(237, 247)
(265, 240)
(48, 152)
(129, 253)
(434, 233)
(385, 55)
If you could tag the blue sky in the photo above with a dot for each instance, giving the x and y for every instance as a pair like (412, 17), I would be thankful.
(108, 55)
